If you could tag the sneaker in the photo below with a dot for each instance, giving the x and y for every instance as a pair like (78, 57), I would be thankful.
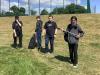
(48, 53)
(39, 49)
(75, 66)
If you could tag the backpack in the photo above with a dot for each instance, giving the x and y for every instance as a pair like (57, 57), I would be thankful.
(32, 43)
(66, 37)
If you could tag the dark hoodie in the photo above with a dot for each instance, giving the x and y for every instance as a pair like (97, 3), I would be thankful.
(50, 27)
(17, 28)
(39, 26)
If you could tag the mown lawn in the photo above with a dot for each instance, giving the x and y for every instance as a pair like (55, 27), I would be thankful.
(31, 62)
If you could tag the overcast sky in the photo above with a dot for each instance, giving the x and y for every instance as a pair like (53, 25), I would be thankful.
(45, 4)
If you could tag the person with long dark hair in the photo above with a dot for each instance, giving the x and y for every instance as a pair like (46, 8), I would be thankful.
(74, 32)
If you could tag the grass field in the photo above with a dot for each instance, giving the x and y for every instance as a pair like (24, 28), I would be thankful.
(31, 62)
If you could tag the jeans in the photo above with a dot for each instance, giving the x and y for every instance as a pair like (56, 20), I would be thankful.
(38, 37)
(51, 40)
(73, 53)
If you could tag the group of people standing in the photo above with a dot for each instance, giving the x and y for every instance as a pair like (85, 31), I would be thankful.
(50, 31)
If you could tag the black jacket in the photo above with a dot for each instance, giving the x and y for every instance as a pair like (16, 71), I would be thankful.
(50, 28)
(39, 26)
(17, 28)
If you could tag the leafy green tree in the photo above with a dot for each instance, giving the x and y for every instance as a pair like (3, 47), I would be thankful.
(15, 10)
(33, 12)
(9, 14)
(58, 11)
(22, 11)
(73, 9)
(44, 12)
(70, 9)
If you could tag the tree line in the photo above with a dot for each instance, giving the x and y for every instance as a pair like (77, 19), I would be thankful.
(69, 9)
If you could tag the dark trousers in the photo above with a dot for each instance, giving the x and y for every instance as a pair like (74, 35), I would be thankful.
(38, 36)
(73, 53)
(20, 41)
(51, 40)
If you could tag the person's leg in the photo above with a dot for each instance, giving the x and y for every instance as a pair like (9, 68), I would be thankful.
(51, 44)
(39, 40)
(46, 43)
(20, 41)
(75, 54)
(15, 41)
(71, 52)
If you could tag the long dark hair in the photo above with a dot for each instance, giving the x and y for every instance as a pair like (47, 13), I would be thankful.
(74, 17)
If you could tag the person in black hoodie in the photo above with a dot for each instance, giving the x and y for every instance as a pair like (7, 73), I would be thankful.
(17, 31)
(50, 28)
(75, 32)
(38, 31)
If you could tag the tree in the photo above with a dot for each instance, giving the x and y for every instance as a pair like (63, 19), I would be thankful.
(18, 11)
(33, 12)
(73, 9)
(22, 11)
(44, 12)
(55, 11)
(15, 10)
(70, 9)
(9, 14)
(59, 11)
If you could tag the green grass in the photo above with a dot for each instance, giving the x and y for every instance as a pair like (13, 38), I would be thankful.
(20, 62)
(31, 62)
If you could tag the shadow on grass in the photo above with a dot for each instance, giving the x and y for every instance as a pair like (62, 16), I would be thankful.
(43, 50)
(13, 46)
(62, 58)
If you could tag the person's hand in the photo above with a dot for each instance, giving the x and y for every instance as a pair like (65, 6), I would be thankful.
(78, 36)
(17, 21)
(15, 34)
(62, 29)
(35, 33)
(55, 36)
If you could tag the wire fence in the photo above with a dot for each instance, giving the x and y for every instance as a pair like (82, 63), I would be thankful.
(37, 5)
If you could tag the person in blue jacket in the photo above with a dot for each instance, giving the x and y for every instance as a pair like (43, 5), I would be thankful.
(38, 31)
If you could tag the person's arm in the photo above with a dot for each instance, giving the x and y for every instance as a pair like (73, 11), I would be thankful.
(81, 32)
(55, 28)
(14, 32)
(19, 23)
(55, 31)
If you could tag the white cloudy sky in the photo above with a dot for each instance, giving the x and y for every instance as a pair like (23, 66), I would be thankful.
(45, 4)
